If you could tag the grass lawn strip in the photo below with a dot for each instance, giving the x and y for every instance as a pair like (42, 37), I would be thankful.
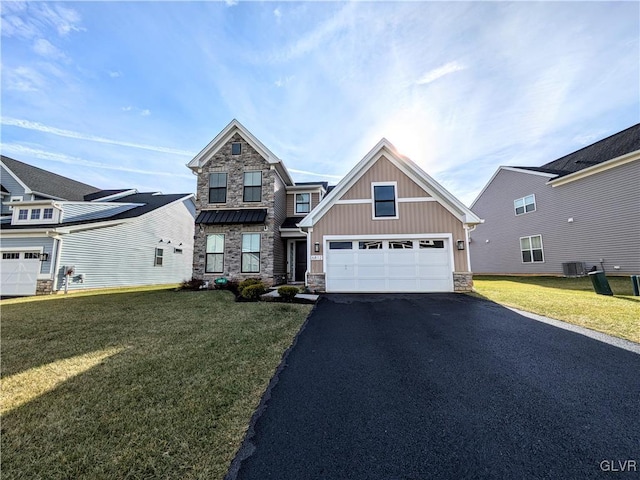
(569, 300)
(151, 384)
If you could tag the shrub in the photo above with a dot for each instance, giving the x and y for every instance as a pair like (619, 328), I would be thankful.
(248, 282)
(287, 293)
(193, 284)
(253, 291)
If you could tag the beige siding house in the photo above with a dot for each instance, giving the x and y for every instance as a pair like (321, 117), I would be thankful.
(389, 227)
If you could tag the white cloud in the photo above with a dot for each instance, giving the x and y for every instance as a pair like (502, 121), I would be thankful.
(26, 124)
(314, 174)
(128, 108)
(440, 72)
(46, 49)
(23, 79)
(281, 82)
(231, 3)
(277, 13)
(21, 150)
(37, 19)
(115, 74)
(145, 112)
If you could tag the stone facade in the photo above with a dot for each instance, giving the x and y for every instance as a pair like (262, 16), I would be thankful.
(316, 282)
(249, 160)
(44, 287)
(462, 281)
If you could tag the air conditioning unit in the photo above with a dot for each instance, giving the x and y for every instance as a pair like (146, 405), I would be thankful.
(574, 269)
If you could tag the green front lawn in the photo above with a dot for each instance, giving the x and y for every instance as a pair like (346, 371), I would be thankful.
(142, 384)
(572, 300)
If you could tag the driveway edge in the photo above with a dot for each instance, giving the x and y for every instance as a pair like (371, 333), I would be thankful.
(247, 447)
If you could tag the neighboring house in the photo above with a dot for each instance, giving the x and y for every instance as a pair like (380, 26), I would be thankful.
(565, 217)
(100, 238)
(387, 226)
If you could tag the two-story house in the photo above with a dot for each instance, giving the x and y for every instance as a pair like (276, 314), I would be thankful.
(386, 227)
(247, 207)
(59, 234)
(566, 217)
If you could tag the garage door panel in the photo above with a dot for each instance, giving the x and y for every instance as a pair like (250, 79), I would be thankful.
(390, 269)
(19, 276)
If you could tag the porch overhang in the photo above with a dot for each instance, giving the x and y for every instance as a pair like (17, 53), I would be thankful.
(232, 217)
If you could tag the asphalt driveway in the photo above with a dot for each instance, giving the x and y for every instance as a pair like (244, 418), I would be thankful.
(443, 386)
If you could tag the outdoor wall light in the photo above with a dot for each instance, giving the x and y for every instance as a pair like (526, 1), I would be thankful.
(44, 257)
(316, 247)
(460, 244)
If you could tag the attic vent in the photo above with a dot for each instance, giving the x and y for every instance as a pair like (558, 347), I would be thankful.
(574, 269)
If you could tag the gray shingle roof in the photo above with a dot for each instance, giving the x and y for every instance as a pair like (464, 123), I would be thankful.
(48, 183)
(614, 146)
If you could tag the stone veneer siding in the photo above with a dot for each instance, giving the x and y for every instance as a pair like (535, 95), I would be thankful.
(462, 281)
(316, 282)
(235, 166)
(44, 287)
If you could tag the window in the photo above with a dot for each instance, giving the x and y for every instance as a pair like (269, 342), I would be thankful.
(158, 259)
(215, 254)
(303, 202)
(17, 198)
(431, 243)
(23, 214)
(47, 214)
(35, 214)
(31, 256)
(236, 148)
(11, 256)
(531, 248)
(376, 245)
(401, 244)
(252, 187)
(217, 188)
(525, 205)
(340, 245)
(250, 253)
(384, 200)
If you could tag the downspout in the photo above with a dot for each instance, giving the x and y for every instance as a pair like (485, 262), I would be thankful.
(468, 229)
(56, 258)
(306, 273)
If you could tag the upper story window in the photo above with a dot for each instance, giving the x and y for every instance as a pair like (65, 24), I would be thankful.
(252, 187)
(384, 201)
(35, 214)
(217, 187)
(236, 148)
(525, 204)
(303, 202)
(157, 262)
(47, 214)
(531, 249)
(23, 214)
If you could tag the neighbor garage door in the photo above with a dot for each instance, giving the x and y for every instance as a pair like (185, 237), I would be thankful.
(398, 265)
(19, 273)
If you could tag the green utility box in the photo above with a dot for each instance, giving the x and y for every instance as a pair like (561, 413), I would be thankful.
(635, 283)
(221, 282)
(600, 283)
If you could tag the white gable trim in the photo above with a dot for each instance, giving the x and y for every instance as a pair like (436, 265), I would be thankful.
(511, 169)
(27, 190)
(405, 165)
(601, 167)
(224, 136)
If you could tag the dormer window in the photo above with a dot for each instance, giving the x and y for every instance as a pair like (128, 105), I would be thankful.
(47, 214)
(23, 214)
(35, 214)
(236, 148)
(303, 202)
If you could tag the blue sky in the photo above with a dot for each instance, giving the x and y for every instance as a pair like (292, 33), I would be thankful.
(124, 94)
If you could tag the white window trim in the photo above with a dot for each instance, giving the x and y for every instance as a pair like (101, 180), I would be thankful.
(394, 184)
(226, 189)
(156, 256)
(295, 202)
(530, 249)
(224, 240)
(535, 205)
(14, 198)
(259, 252)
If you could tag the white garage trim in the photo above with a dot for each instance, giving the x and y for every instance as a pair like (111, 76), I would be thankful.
(448, 237)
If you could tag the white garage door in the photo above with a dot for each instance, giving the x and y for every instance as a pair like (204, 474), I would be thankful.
(411, 265)
(19, 273)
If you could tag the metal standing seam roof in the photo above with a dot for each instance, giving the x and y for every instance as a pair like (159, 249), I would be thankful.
(231, 217)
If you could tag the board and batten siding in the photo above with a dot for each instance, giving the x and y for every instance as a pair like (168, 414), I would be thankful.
(383, 171)
(44, 244)
(279, 214)
(414, 218)
(123, 255)
(605, 208)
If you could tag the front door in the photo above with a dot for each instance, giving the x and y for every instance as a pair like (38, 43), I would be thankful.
(301, 260)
